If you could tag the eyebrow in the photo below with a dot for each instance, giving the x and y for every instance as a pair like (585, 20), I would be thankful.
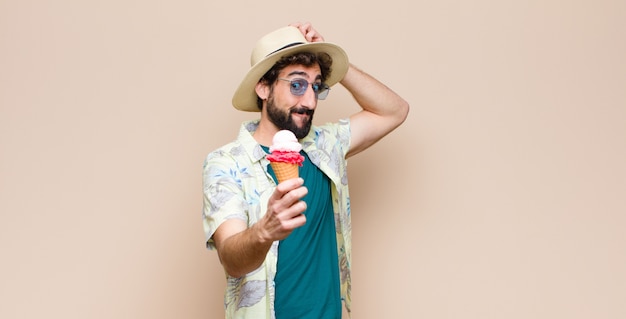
(302, 73)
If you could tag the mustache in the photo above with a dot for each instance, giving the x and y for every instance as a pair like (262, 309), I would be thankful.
(301, 110)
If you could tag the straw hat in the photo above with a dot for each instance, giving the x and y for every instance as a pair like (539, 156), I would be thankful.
(273, 46)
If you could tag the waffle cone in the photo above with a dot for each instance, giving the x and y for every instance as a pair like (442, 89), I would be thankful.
(284, 171)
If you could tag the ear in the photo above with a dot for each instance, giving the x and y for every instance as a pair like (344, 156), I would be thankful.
(262, 90)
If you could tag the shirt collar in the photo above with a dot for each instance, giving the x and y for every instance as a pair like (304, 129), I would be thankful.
(250, 145)
(254, 150)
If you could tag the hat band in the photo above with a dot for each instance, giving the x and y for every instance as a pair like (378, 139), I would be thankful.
(287, 46)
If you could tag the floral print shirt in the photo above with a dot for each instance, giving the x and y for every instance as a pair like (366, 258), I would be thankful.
(236, 184)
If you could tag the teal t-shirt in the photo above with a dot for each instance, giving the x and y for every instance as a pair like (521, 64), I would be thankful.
(307, 275)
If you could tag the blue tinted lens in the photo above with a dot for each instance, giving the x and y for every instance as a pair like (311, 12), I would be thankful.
(316, 87)
(323, 91)
(298, 87)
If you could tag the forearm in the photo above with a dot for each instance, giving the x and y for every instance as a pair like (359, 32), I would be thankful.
(373, 96)
(243, 249)
(382, 109)
(243, 252)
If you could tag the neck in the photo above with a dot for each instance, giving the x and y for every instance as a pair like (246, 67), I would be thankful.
(265, 132)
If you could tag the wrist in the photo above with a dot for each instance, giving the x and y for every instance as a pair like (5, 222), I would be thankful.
(260, 235)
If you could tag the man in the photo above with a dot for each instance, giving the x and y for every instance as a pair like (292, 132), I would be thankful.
(286, 248)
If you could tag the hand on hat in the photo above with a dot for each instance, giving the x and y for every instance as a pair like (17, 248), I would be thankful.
(307, 30)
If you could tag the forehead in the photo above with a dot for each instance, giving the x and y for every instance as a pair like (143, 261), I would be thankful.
(297, 70)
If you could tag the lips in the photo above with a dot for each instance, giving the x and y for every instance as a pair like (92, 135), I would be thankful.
(302, 110)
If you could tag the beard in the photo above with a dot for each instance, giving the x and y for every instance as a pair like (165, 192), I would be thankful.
(284, 121)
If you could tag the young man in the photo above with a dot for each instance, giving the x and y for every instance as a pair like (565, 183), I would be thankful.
(286, 247)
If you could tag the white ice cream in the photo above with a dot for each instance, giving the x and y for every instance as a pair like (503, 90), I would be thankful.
(285, 141)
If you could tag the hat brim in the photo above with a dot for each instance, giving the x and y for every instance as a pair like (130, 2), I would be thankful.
(245, 97)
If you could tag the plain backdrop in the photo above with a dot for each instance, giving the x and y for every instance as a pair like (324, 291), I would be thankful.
(502, 195)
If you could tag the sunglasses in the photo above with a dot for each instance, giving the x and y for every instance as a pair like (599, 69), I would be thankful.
(298, 87)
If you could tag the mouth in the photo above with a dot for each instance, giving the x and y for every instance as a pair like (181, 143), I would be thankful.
(302, 111)
(301, 116)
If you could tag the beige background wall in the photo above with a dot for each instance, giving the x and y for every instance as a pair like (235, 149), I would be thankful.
(503, 195)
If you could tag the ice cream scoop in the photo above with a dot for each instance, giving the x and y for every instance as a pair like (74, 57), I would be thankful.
(285, 141)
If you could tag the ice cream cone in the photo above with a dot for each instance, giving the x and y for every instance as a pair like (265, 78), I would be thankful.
(284, 171)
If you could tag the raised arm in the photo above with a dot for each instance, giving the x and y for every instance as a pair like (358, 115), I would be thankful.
(383, 110)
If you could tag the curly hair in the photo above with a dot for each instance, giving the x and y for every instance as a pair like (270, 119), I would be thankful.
(307, 59)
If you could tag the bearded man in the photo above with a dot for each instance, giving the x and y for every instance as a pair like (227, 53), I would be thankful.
(285, 247)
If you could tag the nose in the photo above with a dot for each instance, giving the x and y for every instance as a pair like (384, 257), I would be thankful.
(309, 99)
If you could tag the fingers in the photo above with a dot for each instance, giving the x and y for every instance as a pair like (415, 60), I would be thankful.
(279, 229)
(285, 209)
(308, 31)
(293, 223)
(286, 199)
(286, 186)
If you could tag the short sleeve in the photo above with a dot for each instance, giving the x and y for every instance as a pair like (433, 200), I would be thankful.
(223, 194)
(343, 135)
